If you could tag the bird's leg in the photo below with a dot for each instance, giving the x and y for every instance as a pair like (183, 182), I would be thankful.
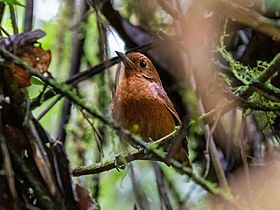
(150, 140)
(146, 152)
(138, 147)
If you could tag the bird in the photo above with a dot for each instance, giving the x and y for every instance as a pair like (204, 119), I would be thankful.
(141, 105)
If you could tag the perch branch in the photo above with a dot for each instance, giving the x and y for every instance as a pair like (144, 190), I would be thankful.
(108, 165)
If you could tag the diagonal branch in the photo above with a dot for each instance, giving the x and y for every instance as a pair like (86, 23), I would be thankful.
(273, 67)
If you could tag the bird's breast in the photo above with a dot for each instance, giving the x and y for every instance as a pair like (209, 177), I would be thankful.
(139, 109)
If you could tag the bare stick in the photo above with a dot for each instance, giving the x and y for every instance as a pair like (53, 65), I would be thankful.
(13, 18)
(28, 18)
(160, 185)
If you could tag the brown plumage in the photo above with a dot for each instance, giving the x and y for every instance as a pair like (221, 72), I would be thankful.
(141, 104)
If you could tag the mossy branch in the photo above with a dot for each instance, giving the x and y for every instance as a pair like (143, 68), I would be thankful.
(256, 83)
(109, 165)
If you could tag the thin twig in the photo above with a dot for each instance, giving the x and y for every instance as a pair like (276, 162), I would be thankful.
(48, 108)
(213, 150)
(208, 140)
(4, 31)
(244, 155)
(13, 18)
(218, 166)
(183, 132)
(2, 9)
(28, 18)
(160, 185)
(172, 188)
(139, 192)
(166, 7)
(98, 139)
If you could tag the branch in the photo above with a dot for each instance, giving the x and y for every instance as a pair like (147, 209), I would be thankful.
(136, 155)
(249, 105)
(109, 165)
(13, 18)
(28, 18)
(273, 67)
(216, 159)
(2, 8)
(266, 92)
(161, 186)
(245, 16)
(167, 8)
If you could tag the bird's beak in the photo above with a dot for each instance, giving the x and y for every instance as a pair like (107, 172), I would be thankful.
(124, 58)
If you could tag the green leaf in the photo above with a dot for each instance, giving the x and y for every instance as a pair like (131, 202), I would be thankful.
(36, 81)
(13, 2)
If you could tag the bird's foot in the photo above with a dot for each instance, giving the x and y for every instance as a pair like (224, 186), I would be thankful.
(150, 140)
(138, 147)
(119, 162)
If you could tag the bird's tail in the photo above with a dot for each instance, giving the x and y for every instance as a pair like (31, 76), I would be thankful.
(182, 156)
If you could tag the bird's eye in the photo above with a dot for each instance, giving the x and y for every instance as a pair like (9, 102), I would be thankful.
(143, 64)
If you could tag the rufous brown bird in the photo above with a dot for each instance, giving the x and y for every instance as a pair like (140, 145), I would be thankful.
(141, 104)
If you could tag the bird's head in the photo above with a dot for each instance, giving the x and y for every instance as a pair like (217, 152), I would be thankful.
(136, 63)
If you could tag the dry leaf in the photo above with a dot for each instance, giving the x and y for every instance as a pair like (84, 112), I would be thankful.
(86, 203)
(36, 57)
(44, 167)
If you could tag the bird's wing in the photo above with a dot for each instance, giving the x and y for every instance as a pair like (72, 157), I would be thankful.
(167, 102)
